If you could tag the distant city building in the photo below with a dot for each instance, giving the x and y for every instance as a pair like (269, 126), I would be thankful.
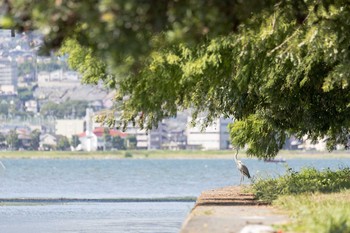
(58, 78)
(69, 128)
(24, 137)
(31, 106)
(59, 86)
(8, 77)
(149, 140)
(47, 141)
(95, 140)
(157, 137)
(214, 137)
(293, 143)
(92, 138)
(308, 144)
(89, 139)
(6, 33)
(177, 140)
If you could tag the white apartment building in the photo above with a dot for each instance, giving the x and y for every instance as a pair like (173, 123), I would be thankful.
(8, 76)
(151, 140)
(214, 137)
(69, 127)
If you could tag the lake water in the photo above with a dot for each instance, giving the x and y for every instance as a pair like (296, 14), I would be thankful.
(126, 195)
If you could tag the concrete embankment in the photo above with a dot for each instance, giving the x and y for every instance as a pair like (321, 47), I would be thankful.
(229, 210)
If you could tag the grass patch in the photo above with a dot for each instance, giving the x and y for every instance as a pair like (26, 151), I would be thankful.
(128, 154)
(308, 180)
(317, 213)
(163, 154)
(137, 154)
(317, 201)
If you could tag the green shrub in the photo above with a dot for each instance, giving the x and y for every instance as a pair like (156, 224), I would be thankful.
(307, 180)
(127, 154)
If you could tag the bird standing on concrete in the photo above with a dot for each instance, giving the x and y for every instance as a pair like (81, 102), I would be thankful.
(242, 168)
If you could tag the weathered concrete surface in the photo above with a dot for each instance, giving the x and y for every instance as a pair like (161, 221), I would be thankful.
(229, 210)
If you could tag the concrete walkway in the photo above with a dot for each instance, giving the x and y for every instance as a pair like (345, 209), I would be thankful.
(230, 210)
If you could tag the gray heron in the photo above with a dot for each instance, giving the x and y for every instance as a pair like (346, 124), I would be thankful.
(242, 168)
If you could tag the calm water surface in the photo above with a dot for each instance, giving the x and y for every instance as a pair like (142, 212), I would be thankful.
(154, 183)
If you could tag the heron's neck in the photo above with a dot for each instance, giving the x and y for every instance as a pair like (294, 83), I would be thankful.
(236, 160)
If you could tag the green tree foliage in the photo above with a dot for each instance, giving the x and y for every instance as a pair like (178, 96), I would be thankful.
(75, 141)
(12, 140)
(25, 94)
(276, 68)
(35, 139)
(2, 140)
(48, 67)
(13, 108)
(25, 68)
(30, 66)
(70, 108)
(63, 143)
(4, 109)
(107, 139)
(118, 143)
(2, 137)
(131, 142)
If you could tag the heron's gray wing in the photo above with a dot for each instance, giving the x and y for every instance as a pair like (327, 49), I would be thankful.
(245, 171)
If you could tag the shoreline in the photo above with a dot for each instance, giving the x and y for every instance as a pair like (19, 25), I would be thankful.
(163, 154)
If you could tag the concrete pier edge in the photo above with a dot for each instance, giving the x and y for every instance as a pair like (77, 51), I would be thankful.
(231, 209)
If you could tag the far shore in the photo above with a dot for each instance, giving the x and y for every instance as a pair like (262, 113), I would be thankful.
(163, 154)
